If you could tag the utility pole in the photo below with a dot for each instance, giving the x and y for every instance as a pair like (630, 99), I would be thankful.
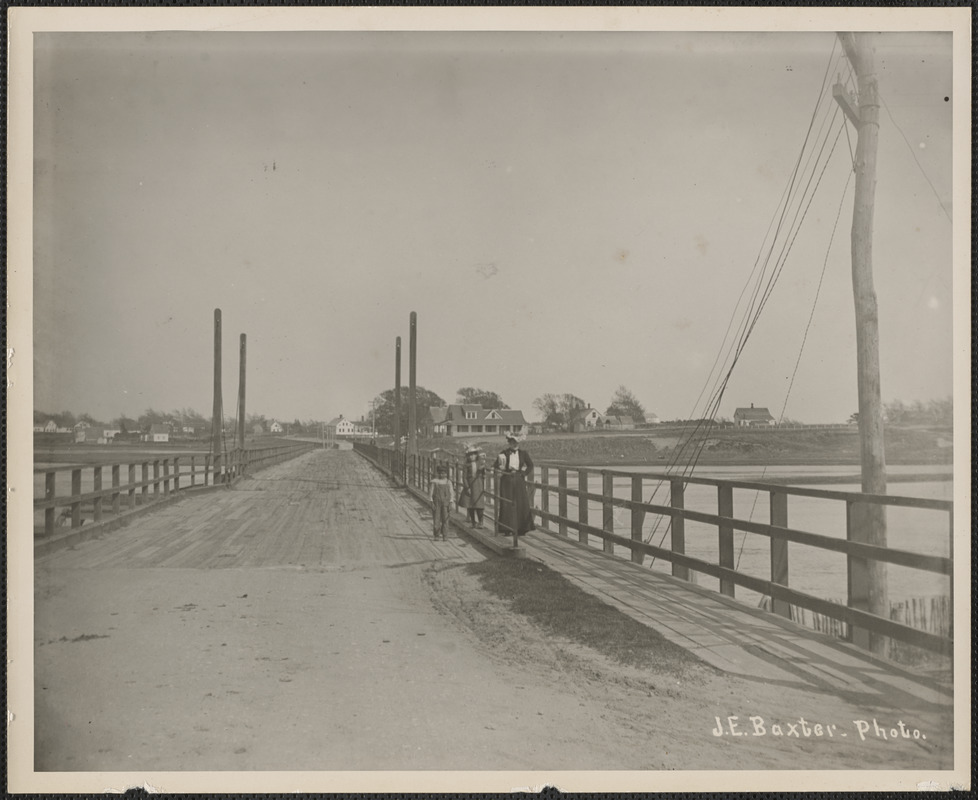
(412, 387)
(241, 391)
(397, 409)
(867, 523)
(216, 421)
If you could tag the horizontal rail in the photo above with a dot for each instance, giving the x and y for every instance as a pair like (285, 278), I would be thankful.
(418, 470)
(167, 474)
(798, 491)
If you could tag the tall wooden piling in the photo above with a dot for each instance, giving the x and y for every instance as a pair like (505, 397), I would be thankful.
(241, 391)
(216, 419)
(413, 386)
(397, 409)
(871, 527)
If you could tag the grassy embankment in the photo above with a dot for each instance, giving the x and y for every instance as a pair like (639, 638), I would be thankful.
(720, 447)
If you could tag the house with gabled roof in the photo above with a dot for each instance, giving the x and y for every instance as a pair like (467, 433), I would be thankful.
(752, 417)
(585, 419)
(158, 432)
(341, 426)
(470, 419)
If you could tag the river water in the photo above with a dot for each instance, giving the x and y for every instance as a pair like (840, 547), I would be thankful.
(811, 570)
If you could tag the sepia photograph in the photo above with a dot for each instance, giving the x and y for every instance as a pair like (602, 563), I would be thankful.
(489, 399)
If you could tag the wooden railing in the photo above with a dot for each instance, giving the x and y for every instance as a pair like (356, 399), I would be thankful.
(98, 490)
(554, 483)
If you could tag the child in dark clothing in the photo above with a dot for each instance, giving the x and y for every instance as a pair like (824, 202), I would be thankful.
(442, 499)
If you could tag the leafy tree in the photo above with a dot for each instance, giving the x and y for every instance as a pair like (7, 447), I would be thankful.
(480, 397)
(558, 409)
(548, 407)
(934, 412)
(124, 424)
(149, 418)
(624, 403)
(384, 408)
(569, 403)
(65, 419)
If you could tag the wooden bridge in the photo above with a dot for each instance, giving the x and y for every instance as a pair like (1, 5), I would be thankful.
(295, 598)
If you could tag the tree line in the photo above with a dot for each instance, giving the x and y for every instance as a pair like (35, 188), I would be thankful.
(556, 410)
(178, 418)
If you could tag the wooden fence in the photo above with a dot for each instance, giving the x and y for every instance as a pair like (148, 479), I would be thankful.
(554, 483)
(138, 482)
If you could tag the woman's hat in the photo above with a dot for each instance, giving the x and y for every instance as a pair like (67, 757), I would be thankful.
(512, 437)
(471, 448)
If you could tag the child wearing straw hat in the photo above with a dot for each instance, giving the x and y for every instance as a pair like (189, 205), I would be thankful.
(472, 497)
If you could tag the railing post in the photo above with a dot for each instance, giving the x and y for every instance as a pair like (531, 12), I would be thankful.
(583, 487)
(176, 473)
(545, 496)
(207, 468)
(144, 494)
(725, 533)
(857, 571)
(156, 479)
(677, 499)
(638, 518)
(115, 485)
(779, 551)
(607, 510)
(97, 487)
(76, 504)
(131, 492)
(193, 471)
(49, 495)
(166, 477)
(562, 500)
(950, 588)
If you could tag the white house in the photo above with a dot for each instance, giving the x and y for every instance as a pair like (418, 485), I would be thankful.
(158, 433)
(51, 426)
(752, 417)
(472, 419)
(340, 426)
(275, 427)
(585, 419)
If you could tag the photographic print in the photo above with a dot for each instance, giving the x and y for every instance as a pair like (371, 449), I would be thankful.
(431, 401)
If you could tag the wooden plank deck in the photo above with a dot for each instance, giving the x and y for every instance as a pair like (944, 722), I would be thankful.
(295, 604)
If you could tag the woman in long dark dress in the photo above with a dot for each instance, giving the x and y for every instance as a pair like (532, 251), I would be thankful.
(513, 467)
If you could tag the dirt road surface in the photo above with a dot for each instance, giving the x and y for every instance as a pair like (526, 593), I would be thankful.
(305, 620)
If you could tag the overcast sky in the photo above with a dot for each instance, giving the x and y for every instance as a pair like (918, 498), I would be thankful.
(565, 213)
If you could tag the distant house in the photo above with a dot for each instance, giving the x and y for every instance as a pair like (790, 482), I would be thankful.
(652, 419)
(341, 426)
(81, 425)
(617, 422)
(752, 417)
(437, 422)
(51, 426)
(158, 433)
(585, 419)
(472, 420)
(275, 427)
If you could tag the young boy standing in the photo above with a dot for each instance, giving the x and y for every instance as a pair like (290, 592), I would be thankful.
(442, 499)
